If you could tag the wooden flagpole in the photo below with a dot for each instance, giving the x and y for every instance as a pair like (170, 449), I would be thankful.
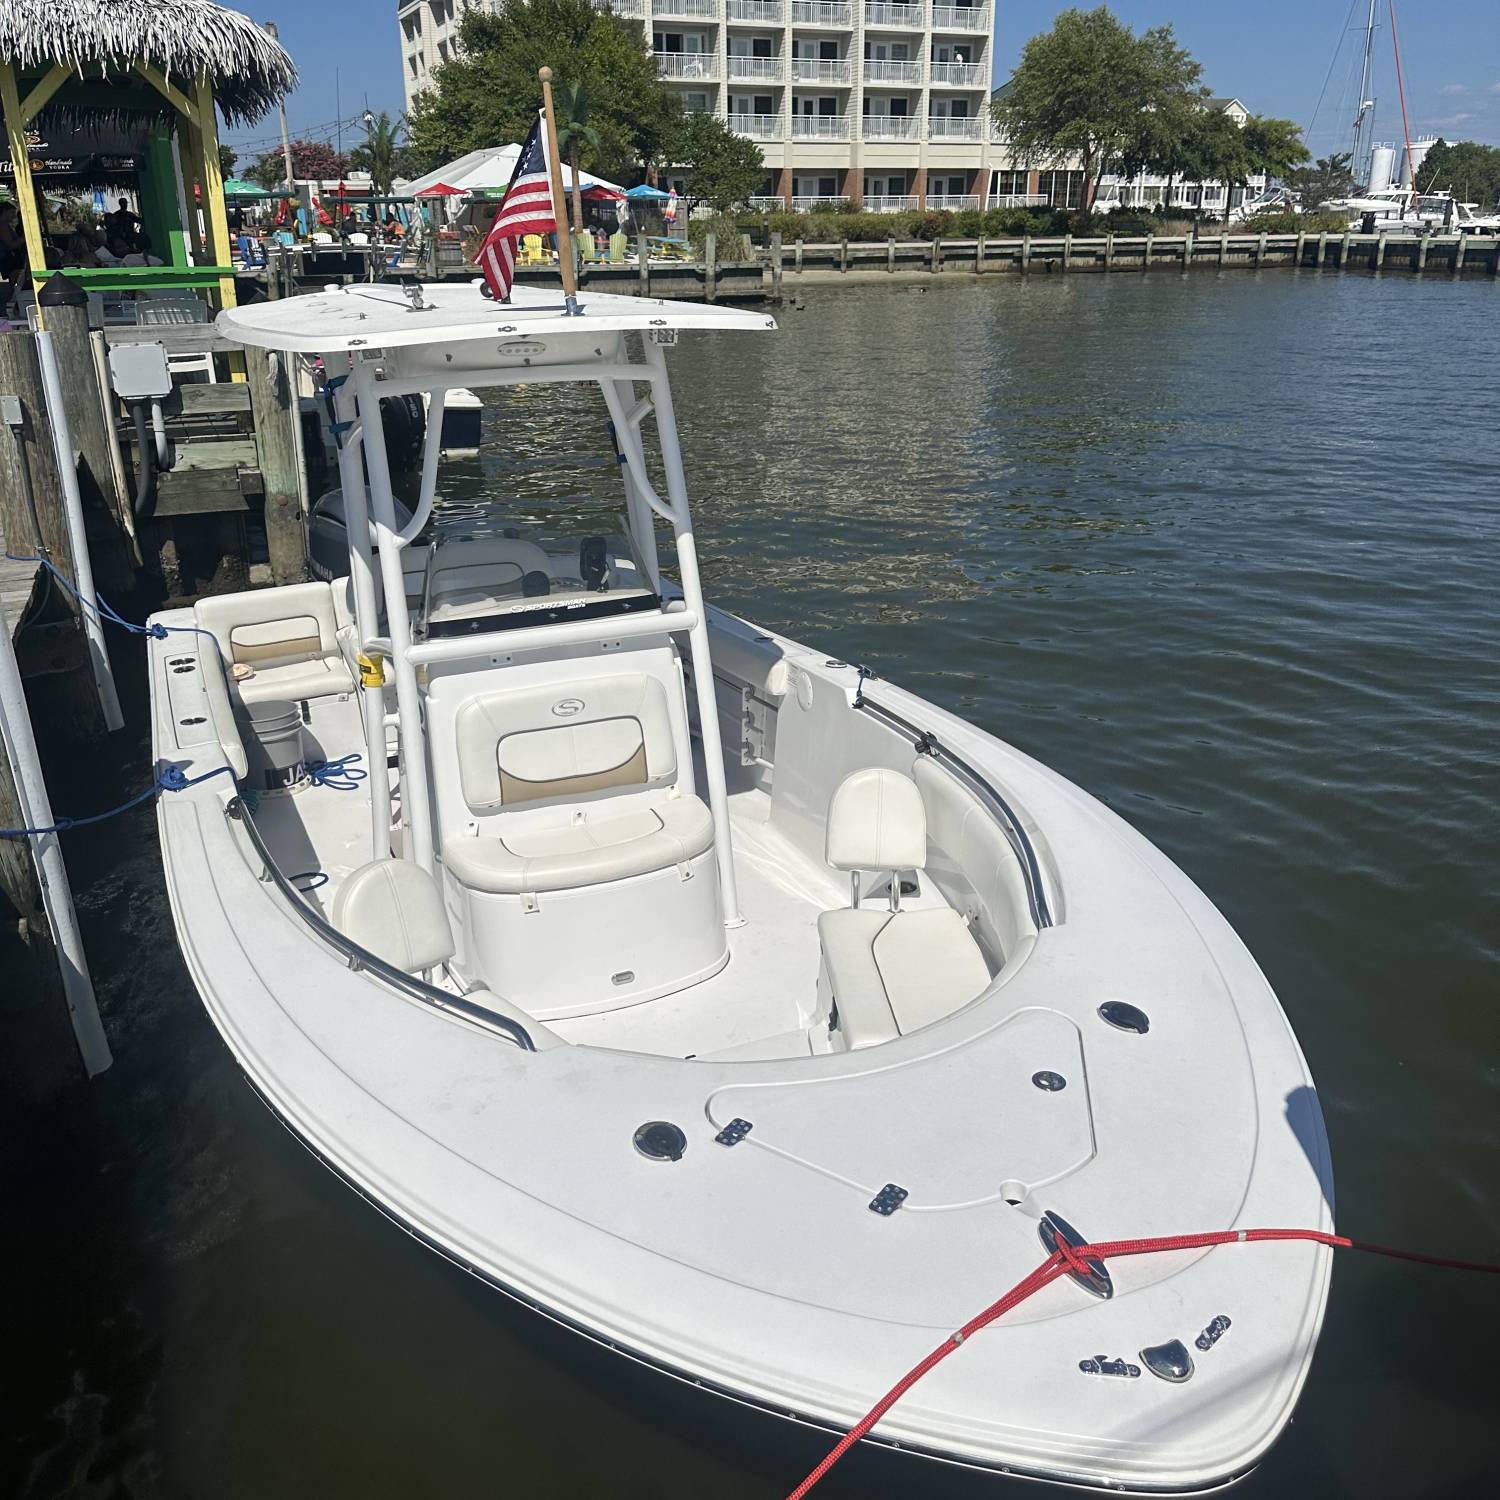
(567, 251)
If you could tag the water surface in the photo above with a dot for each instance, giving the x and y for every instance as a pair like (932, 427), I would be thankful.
(1224, 550)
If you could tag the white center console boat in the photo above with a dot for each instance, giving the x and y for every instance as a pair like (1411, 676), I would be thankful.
(751, 1016)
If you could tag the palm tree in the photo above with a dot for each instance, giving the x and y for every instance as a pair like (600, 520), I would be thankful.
(573, 133)
(380, 154)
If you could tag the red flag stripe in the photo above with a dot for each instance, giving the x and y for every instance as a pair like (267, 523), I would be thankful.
(525, 209)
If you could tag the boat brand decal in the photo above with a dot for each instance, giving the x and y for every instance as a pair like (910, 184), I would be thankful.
(565, 708)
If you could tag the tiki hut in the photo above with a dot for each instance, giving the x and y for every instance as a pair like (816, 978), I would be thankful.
(158, 69)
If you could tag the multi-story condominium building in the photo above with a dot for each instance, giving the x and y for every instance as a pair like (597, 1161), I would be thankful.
(876, 102)
(883, 103)
(428, 38)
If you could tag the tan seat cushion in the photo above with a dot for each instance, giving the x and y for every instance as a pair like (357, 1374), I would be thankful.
(322, 677)
(594, 848)
(893, 973)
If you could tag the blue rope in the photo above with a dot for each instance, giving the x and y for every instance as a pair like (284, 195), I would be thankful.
(340, 775)
(169, 779)
(101, 609)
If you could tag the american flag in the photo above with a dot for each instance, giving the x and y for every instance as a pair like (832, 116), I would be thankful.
(526, 208)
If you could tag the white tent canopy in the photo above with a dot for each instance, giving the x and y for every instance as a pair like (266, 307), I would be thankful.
(490, 167)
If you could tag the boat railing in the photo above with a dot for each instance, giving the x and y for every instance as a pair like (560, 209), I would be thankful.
(361, 958)
(924, 742)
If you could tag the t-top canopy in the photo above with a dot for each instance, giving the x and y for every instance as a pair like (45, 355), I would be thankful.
(383, 317)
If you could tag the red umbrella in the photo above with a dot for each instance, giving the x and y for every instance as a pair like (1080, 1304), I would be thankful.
(598, 193)
(441, 190)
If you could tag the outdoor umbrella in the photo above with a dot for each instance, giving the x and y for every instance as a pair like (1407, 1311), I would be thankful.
(237, 187)
(441, 190)
(645, 192)
(596, 192)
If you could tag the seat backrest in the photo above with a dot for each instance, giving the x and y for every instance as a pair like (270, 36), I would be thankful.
(876, 822)
(566, 742)
(395, 910)
(272, 627)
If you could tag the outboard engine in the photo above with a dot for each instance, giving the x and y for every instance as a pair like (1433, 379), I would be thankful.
(328, 536)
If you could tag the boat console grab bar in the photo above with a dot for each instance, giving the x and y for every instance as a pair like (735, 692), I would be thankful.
(362, 958)
(926, 743)
(451, 648)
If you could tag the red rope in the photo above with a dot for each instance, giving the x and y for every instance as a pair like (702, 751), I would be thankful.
(1074, 1257)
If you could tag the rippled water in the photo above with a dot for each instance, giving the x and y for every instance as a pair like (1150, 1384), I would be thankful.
(1225, 551)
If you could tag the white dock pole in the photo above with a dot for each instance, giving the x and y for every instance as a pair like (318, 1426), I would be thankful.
(52, 874)
(67, 473)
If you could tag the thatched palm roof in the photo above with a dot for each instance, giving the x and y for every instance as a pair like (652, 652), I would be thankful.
(182, 38)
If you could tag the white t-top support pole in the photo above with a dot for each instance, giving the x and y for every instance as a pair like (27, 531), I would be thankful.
(52, 873)
(692, 591)
(366, 606)
(416, 806)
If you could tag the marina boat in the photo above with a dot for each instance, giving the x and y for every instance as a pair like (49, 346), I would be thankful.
(744, 1012)
(1397, 210)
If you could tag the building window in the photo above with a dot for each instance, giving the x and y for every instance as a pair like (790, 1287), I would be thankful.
(1011, 184)
(1061, 189)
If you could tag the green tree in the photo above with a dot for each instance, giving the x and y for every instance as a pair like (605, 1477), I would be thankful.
(1328, 177)
(572, 104)
(227, 158)
(1158, 142)
(1083, 90)
(1274, 146)
(1466, 168)
(488, 93)
(722, 169)
(381, 153)
(1216, 151)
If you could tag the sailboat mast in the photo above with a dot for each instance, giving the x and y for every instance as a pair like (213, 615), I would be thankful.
(1356, 162)
(1411, 163)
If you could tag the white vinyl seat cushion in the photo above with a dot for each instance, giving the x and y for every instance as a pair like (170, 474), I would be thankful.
(598, 845)
(394, 909)
(892, 973)
(322, 677)
(287, 636)
(876, 822)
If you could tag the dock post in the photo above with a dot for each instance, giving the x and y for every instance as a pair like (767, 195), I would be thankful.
(1422, 245)
(1067, 261)
(710, 249)
(1458, 254)
(276, 408)
(979, 256)
(642, 264)
(937, 256)
(48, 923)
(1260, 249)
(1025, 252)
(844, 254)
(1301, 244)
(1187, 249)
(1146, 259)
(1495, 259)
(797, 257)
(1223, 247)
(890, 253)
(776, 264)
(1344, 250)
(65, 314)
(1109, 252)
(1322, 254)
(1380, 252)
(83, 563)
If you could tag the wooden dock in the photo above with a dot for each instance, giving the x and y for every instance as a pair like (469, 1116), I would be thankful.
(16, 582)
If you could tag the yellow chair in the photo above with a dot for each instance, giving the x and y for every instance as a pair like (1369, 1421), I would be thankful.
(619, 247)
(531, 251)
(587, 249)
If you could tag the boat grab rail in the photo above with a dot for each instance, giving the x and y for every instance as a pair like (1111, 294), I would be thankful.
(924, 742)
(361, 958)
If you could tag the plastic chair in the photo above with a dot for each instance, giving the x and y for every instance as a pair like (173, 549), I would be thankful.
(531, 250)
(619, 247)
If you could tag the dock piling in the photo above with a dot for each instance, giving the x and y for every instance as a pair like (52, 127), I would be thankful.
(776, 268)
(890, 253)
(710, 249)
(1146, 258)
(642, 264)
(1422, 245)
(979, 256)
(275, 405)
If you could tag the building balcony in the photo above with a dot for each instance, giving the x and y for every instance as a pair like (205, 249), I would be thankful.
(820, 70)
(630, 10)
(891, 127)
(757, 127)
(821, 13)
(759, 69)
(880, 70)
(960, 18)
(688, 64)
(953, 200)
(685, 7)
(1020, 200)
(763, 12)
(820, 127)
(802, 202)
(889, 203)
(949, 128)
(772, 201)
(957, 75)
(886, 17)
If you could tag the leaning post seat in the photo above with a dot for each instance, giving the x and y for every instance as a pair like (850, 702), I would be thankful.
(887, 972)
(288, 637)
(581, 854)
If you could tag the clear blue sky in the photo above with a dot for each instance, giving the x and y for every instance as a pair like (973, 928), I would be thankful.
(1273, 54)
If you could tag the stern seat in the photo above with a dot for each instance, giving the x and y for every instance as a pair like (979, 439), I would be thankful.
(288, 637)
(889, 972)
